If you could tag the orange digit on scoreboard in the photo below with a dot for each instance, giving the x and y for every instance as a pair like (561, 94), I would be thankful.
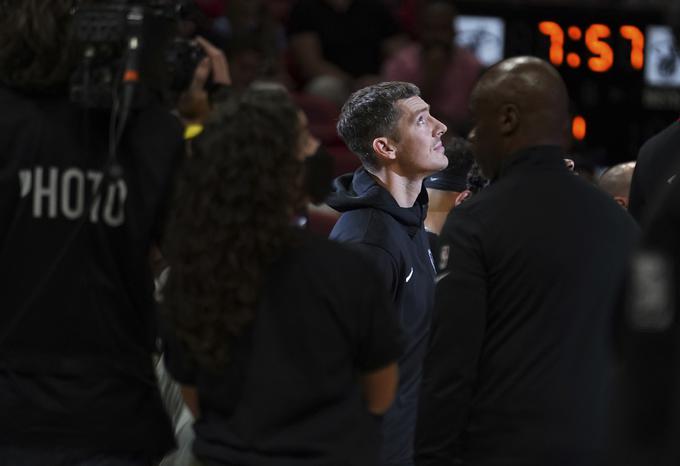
(604, 55)
(556, 34)
(637, 40)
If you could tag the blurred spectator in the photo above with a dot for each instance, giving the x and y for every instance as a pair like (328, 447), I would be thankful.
(407, 14)
(282, 359)
(444, 72)
(247, 59)
(337, 46)
(616, 182)
(251, 36)
(646, 421)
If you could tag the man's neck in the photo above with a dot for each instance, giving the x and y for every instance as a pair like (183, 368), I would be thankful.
(440, 204)
(404, 190)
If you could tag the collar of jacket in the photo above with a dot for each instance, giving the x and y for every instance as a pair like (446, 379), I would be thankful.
(412, 218)
(536, 156)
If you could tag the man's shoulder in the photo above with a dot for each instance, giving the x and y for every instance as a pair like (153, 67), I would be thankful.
(370, 227)
(366, 223)
(662, 146)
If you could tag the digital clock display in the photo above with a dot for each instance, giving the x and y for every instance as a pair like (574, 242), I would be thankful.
(594, 39)
(619, 66)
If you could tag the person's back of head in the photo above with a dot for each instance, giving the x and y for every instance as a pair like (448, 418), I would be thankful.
(519, 103)
(235, 201)
(370, 113)
(616, 182)
(36, 50)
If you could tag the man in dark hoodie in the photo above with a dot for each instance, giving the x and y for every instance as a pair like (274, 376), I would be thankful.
(389, 127)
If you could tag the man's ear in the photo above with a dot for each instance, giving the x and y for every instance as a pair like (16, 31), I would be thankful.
(509, 119)
(622, 201)
(384, 149)
(462, 197)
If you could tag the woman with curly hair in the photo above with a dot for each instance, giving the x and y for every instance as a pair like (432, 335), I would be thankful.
(284, 343)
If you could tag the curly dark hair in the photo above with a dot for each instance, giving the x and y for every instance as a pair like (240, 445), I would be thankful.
(459, 152)
(36, 50)
(476, 181)
(231, 219)
(370, 113)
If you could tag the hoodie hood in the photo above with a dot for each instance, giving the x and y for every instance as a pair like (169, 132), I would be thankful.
(359, 190)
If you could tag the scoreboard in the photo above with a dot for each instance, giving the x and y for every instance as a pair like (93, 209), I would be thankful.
(620, 66)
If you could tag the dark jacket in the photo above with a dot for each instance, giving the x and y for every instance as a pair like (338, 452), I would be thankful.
(517, 367)
(658, 162)
(646, 418)
(394, 239)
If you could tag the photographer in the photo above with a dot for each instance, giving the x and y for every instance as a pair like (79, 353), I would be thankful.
(77, 323)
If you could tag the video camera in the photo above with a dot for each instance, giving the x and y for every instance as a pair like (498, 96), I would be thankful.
(133, 45)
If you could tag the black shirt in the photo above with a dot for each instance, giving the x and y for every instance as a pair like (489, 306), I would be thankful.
(517, 365)
(393, 238)
(646, 418)
(290, 394)
(352, 40)
(77, 323)
(657, 165)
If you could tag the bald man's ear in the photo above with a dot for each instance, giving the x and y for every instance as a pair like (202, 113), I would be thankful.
(509, 119)
(384, 149)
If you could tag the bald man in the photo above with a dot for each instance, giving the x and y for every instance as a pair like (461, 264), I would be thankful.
(616, 182)
(516, 369)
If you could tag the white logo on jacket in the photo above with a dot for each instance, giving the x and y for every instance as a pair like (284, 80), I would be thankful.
(409, 275)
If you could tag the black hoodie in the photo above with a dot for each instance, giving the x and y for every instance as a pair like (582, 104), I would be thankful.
(394, 238)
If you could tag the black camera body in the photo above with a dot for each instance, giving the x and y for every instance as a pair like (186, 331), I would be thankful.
(133, 43)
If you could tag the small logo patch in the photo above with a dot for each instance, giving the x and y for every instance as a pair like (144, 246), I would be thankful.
(444, 257)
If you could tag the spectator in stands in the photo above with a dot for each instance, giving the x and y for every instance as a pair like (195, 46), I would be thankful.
(383, 204)
(517, 366)
(337, 46)
(283, 357)
(616, 182)
(444, 72)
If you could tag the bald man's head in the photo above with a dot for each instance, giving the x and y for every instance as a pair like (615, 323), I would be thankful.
(616, 181)
(519, 103)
